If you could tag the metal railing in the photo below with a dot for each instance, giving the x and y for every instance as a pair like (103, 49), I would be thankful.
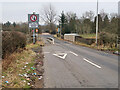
(51, 40)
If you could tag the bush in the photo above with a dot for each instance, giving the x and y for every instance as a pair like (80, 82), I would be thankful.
(107, 38)
(11, 41)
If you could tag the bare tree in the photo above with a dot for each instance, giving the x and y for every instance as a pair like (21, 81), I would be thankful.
(70, 15)
(113, 15)
(48, 15)
(88, 14)
(103, 14)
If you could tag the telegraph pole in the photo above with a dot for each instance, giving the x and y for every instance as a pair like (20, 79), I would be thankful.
(97, 25)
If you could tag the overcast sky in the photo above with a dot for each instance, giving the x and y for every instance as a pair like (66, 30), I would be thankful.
(17, 11)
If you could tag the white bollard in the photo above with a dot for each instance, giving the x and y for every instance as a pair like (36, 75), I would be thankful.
(53, 41)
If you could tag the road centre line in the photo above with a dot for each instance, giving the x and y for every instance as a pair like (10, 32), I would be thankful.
(91, 63)
(73, 53)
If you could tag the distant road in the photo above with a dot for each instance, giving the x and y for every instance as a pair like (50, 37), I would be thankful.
(72, 66)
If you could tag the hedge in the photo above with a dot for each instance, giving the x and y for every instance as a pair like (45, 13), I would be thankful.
(107, 38)
(11, 41)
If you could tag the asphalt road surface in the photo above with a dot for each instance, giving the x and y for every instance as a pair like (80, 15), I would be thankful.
(71, 66)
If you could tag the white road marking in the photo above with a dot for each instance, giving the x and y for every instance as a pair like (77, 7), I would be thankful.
(73, 53)
(62, 57)
(91, 63)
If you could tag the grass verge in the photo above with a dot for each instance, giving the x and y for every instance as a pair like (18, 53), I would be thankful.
(91, 36)
(21, 72)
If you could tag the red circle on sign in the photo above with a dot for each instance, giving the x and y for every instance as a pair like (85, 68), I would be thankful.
(33, 18)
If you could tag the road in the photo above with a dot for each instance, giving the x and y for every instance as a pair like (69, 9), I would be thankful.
(71, 66)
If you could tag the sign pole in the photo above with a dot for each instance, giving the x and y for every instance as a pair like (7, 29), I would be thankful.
(33, 21)
(37, 34)
(33, 36)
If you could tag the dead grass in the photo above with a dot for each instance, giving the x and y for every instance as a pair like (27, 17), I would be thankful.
(19, 64)
(38, 43)
(15, 68)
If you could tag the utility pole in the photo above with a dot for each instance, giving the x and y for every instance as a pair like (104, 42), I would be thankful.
(1, 52)
(97, 25)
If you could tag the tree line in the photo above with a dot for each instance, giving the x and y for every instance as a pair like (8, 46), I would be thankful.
(21, 27)
(86, 24)
(70, 23)
(107, 26)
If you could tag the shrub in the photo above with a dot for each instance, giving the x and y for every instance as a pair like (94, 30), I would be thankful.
(107, 38)
(11, 41)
